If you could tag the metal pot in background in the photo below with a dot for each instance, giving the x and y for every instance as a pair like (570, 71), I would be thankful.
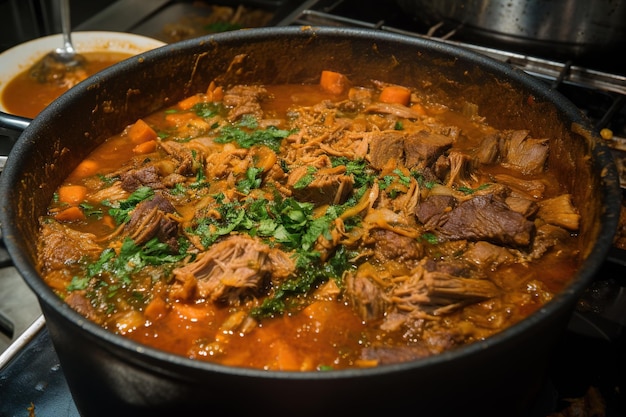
(572, 28)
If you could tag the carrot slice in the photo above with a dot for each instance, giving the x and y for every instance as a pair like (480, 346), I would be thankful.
(86, 168)
(395, 94)
(72, 194)
(419, 109)
(108, 221)
(141, 132)
(214, 93)
(189, 102)
(179, 119)
(145, 147)
(156, 309)
(70, 214)
(334, 82)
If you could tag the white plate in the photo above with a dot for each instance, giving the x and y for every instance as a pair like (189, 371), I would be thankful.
(20, 57)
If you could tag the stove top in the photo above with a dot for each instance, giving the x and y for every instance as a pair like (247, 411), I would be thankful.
(589, 362)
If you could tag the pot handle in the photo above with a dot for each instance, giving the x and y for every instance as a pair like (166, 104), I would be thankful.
(11, 127)
(13, 122)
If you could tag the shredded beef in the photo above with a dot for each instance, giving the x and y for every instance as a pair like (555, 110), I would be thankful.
(146, 176)
(63, 245)
(393, 246)
(244, 99)
(486, 218)
(423, 148)
(384, 146)
(487, 151)
(186, 163)
(231, 270)
(328, 185)
(149, 219)
(434, 210)
(365, 297)
(523, 153)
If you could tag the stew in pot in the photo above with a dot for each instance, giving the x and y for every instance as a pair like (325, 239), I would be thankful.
(310, 227)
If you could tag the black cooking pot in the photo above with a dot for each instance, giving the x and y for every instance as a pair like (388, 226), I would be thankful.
(109, 375)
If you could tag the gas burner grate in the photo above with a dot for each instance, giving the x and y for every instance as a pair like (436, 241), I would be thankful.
(555, 71)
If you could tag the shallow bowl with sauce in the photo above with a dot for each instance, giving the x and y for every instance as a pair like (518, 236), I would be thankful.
(105, 47)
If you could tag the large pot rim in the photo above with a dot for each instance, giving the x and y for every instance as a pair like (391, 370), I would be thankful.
(135, 351)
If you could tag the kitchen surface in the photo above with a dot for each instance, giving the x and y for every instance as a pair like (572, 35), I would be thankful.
(589, 364)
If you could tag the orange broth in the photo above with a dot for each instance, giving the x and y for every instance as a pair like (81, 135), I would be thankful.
(27, 97)
(325, 331)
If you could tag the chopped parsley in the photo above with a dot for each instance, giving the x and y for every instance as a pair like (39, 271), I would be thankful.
(311, 272)
(90, 211)
(251, 181)
(282, 220)
(131, 258)
(246, 134)
(468, 190)
(306, 179)
(121, 213)
(207, 110)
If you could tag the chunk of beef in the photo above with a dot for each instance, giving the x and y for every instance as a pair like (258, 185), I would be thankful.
(437, 292)
(61, 245)
(173, 179)
(398, 110)
(488, 254)
(231, 270)
(244, 99)
(487, 151)
(452, 266)
(522, 153)
(441, 168)
(423, 148)
(384, 146)
(81, 304)
(149, 219)
(389, 245)
(523, 206)
(446, 289)
(365, 297)
(329, 185)
(145, 176)
(530, 189)
(461, 165)
(434, 210)
(486, 218)
(416, 150)
(187, 163)
(547, 237)
(559, 211)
